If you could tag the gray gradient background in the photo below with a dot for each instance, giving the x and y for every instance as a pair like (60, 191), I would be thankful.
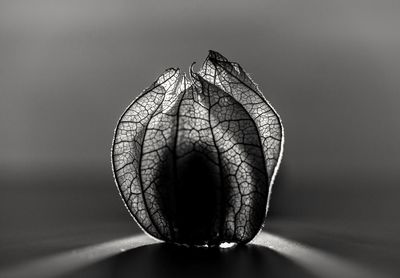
(68, 69)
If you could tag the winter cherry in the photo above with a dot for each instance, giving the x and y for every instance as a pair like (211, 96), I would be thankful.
(195, 158)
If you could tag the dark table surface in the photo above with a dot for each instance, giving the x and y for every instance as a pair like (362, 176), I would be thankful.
(60, 227)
